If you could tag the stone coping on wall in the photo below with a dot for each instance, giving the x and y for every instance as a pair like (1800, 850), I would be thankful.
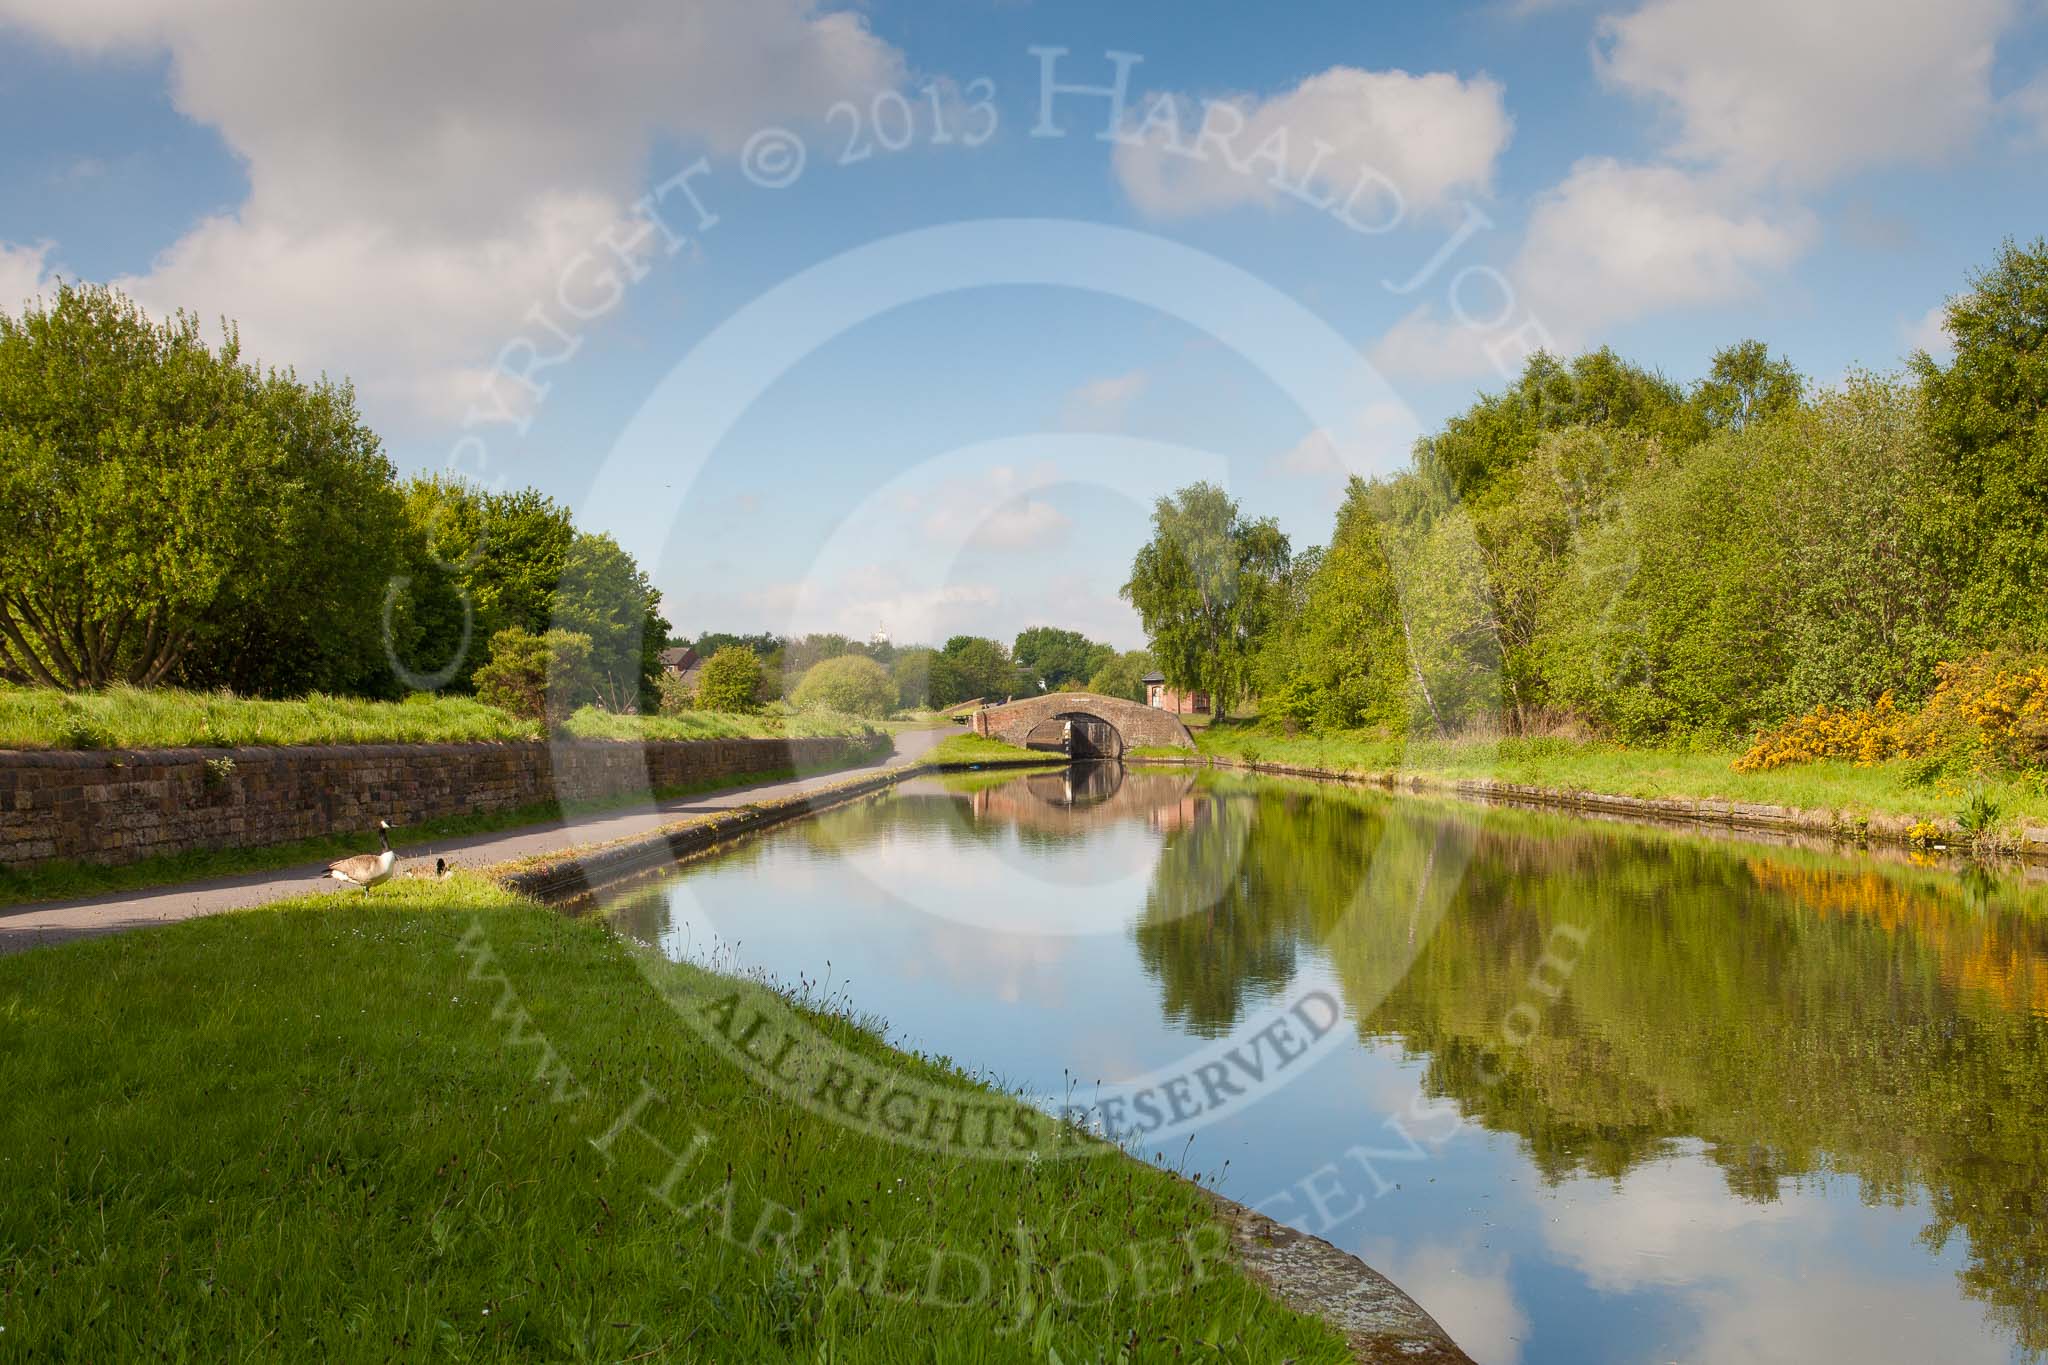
(113, 806)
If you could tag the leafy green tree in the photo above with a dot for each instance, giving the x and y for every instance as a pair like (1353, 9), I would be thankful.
(1207, 587)
(730, 681)
(163, 506)
(1598, 389)
(497, 557)
(541, 677)
(1983, 410)
(971, 666)
(604, 594)
(850, 683)
(1123, 675)
(1745, 386)
(911, 670)
(1058, 659)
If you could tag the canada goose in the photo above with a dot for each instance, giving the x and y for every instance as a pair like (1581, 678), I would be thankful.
(366, 869)
(441, 873)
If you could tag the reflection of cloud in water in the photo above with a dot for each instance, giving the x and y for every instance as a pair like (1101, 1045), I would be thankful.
(1014, 968)
(1765, 1282)
(1664, 1224)
(1465, 1289)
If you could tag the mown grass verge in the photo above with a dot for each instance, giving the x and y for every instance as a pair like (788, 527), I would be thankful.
(981, 749)
(1896, 788)
(62, 879)
(370, 1129)
(168, 718)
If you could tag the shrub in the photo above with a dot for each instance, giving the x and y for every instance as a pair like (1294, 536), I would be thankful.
(674, 696)
(1867, 735)
(539, 677)
(852, 684)
(1988, 712)
(730, 681)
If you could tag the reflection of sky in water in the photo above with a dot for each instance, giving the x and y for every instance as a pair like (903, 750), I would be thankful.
(1663, 1263)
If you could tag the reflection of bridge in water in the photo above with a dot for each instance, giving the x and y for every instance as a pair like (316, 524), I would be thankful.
(1092, 794)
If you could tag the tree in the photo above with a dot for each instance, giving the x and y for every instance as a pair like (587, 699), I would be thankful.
(1123, 675)
(1983, 411)
(969, 667)
(540, 677)
(1206, 587)
(911, 670)
(730, 681)
(496, 560)
(1746, 386)
(604, 594)
(850, 683)
(148, 484)
(1597, 389)
(1054, 659)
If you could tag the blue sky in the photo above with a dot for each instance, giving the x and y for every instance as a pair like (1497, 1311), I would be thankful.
(421, 197)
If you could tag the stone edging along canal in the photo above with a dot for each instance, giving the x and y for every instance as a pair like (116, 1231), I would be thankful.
(1378, 1321)
(1691, 812)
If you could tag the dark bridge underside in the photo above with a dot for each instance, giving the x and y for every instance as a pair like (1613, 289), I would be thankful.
(1077, 734)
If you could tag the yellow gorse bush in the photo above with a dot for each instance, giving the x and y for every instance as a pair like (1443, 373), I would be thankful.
(1987, 712)
(1867, 735)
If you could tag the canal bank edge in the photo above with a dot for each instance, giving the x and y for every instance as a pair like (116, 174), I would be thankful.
(1717, 812)
(1378, 1321)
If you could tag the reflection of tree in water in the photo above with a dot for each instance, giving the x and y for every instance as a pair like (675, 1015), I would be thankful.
(1797, 1013)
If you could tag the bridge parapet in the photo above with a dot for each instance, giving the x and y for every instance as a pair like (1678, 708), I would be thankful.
(1141, 726)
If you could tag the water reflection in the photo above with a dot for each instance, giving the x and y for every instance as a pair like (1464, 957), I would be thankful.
(1773, 1105)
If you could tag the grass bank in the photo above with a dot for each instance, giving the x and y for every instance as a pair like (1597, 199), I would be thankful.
(333, 1130)
(1894, 789)
(166, 718)
(970, 748)
(64, 880)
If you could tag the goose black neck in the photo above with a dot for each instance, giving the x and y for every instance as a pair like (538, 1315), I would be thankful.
(384, 838)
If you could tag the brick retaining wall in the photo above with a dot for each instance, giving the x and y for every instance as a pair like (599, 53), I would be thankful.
(117, 806)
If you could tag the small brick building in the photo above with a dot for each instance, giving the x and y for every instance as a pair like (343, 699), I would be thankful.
(1158, 694)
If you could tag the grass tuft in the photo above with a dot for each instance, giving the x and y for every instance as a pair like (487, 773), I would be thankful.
(323, 1131)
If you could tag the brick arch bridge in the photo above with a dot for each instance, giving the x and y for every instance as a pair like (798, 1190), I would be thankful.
(1035, 721)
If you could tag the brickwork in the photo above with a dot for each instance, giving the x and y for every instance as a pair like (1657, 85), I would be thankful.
(122, 806)
(1141, 726)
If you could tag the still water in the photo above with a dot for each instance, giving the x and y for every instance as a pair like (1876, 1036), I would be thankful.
(1587, 1091)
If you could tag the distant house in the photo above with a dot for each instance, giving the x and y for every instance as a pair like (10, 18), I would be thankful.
(682, 662)
(1158, 694)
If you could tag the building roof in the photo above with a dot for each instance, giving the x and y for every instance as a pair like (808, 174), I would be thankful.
(1153, 678)
(679, 658)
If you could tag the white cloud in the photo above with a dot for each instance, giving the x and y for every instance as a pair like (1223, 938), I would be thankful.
(419, 175)
(1812, 90)
(1928, 332)
(1432, 137)
(1614, 242)
(1467, 1291)
(24, 273)
(1099, 405)
(2029, 105)
(995, 511)
(1378, 441)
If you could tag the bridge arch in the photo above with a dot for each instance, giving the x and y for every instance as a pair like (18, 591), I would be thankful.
(1031, 720)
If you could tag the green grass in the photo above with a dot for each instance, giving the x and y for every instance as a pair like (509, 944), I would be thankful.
(64, 880)
(1159, 751)
(1895, 788)
(157, 718)
(981, 749)
(307, 1133)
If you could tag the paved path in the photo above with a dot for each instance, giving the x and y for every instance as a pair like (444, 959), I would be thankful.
(56, 921)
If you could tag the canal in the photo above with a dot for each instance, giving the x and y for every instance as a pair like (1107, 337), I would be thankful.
(1588, 1091)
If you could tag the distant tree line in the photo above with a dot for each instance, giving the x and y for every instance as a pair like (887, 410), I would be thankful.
(170, 513)
(1599, 545)
(966, 667)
